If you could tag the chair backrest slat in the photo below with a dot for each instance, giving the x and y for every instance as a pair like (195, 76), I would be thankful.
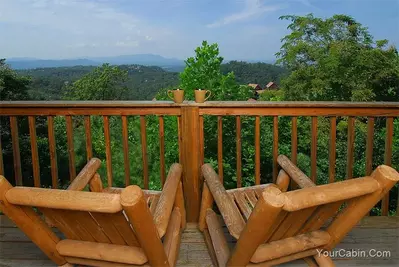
(242, 204)
(298, 221)
(321, 216)
(86, 222)
(124, 228)
(251, 197)
(74, 219)
(153, 204)
(276, 225)
(283, 226)
(60, 222)
(106, 222)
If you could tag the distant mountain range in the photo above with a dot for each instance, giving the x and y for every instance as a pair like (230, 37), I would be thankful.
(140, 59)
(169, 64)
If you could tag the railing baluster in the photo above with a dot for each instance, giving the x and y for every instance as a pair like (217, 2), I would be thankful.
(34, 151)
(351, 147)
(332, 150)
(238, 151)
(179, 137)
(387, 160)
(89, 150)
(52, 151)
(220, 148)
(1, 159)
(313, 153)
(162, 149)
(388, 142)
(294, 140)
(369, 145)
(108, 156)
(144, 150)
(275, 148)
(125, 143)
(201, 140)
(257, 150)
(71, 150)
(15, 150)
(294, 145)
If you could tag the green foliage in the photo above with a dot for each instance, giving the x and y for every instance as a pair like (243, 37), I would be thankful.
(203, 70)
(260, 73)
(12, 86)
(337, 59)
(103, 83)
(272, 95)
(142, 82)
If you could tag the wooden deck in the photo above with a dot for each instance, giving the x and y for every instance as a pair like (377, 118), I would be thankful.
(378, 233)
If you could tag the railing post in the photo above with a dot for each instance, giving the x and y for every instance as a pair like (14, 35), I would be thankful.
(191, 160)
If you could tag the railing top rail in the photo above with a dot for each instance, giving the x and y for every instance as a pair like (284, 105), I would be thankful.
(85, 104)
(213, 104)
(223, 108)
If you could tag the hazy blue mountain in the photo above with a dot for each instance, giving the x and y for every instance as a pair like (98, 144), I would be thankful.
(140, 59)
(21, 63)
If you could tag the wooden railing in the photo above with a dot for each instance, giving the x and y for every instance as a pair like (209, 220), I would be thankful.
(190, 136)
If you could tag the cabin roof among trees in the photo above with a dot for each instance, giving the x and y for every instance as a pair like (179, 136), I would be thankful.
(255, 86)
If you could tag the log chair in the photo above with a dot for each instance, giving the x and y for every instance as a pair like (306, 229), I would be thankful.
(105, 227)
(273, 226)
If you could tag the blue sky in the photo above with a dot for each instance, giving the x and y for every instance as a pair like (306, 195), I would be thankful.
(244, 29)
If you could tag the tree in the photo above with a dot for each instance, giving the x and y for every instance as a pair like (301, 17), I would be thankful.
(204, 71)
(12, 86)
(260, 73)
(103, 83)
(337, 59)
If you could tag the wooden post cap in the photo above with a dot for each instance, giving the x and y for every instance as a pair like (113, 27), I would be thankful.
(273, 196)
(131, 195)
(388, 172)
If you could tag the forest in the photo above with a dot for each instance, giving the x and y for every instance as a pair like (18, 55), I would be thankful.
(332, 59)
(142, 82)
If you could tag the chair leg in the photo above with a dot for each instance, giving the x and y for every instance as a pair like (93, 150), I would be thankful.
(310, 261)
(209, 245)
(324, 260)
(135, 206)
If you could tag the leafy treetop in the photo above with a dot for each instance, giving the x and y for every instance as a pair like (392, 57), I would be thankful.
(337, 59)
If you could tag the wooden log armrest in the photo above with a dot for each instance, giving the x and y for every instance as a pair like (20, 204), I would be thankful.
(85, 175)
(294, 172)
(167, 199)
(230, 213)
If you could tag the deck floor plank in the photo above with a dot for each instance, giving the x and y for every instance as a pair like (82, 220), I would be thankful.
(380, 233)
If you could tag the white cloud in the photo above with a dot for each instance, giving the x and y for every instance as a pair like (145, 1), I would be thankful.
(253, 8)
(127, 43)
(80, 27)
